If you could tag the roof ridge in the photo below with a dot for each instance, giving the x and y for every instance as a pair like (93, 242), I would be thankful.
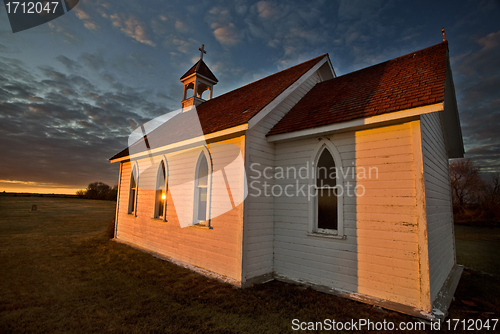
(391, 60)
(286, 69)
(251, 83)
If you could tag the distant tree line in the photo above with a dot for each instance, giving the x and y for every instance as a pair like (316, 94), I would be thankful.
(99, 190)
(474, 198)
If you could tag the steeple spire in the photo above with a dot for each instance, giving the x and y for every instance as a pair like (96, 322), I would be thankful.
(197, 80)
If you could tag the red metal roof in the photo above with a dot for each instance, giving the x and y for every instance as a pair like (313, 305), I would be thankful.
(234, 108)
(414, 80)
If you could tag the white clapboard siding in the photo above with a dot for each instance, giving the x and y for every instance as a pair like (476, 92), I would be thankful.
(439, 210)
(259, 210)
(379, 256)
(217, 250)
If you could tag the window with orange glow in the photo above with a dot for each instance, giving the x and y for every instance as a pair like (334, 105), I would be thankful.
(161, 193)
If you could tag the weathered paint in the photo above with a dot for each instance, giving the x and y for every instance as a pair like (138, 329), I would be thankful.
(423, 248)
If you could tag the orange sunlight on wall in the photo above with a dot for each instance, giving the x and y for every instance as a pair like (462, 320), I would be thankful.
(386, 216)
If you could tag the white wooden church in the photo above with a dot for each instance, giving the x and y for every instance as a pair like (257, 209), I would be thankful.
(251, 197)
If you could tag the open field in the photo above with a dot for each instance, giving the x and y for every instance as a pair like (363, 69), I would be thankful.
(478, 248)
(61, 273)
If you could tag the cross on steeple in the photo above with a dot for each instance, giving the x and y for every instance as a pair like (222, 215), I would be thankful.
(202, 51)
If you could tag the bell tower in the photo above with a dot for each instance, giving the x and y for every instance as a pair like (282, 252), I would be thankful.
(198, 83)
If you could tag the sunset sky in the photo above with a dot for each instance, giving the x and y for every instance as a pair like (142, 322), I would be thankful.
(72, 90)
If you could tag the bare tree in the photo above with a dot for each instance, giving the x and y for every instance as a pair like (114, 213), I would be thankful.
(492, 197)
(494, 190)
(467, 186)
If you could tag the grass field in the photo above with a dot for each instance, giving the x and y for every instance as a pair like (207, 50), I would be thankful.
(478, 248)
(60, 273)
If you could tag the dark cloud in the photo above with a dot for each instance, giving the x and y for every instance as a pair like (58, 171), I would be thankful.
(477, 81)
(93, 61)
(70, 65)
(61, 128)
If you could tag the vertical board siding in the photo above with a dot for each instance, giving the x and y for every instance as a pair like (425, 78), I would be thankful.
(379, 256)
(438, 202)
(259, 209)
(217, 250)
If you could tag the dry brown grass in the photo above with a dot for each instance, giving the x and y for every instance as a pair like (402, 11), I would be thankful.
(61, 273)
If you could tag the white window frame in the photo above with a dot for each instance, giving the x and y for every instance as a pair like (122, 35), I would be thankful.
(165, 185)
(208, 157)
(135, 175)
(313, 203)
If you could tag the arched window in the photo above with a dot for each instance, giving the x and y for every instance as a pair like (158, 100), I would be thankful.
(202, 186)
(132, 199)
(326, 182)
(327, 207)
(161, 193)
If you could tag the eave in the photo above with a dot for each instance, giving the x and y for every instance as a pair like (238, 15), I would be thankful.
(359, 123)
(192, 142)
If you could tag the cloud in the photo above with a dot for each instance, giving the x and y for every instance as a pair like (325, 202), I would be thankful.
(81, 14)
(221, 21)
(266, 9)
(296, 29)
(132, 27)
(182, 45)
(91, 25)
(181, 26)
(70, 65)
(219, 12)
(240, 7)
(94, 61)
(69, 36)
(483, 60)
(227, 35)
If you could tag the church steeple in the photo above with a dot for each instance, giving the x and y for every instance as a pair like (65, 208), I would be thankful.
(198, 80)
